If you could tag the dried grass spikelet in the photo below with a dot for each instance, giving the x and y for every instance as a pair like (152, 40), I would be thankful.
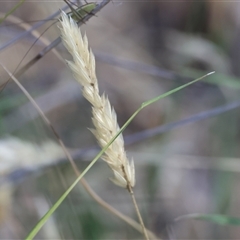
(104, 117)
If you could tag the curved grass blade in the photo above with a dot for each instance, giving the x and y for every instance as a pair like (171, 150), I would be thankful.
(12, 10)
(44, 219)
(214, 218)
(149, 133)
(218, 79)
(84, 183)
(173, 91)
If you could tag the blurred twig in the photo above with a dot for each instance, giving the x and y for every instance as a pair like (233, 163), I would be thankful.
(26, 26)
(25, 33)
(50, 46)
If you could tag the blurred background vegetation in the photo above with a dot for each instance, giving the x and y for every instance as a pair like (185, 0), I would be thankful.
(143, 49)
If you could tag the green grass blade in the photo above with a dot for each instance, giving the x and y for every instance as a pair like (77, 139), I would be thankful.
(218, 79)
(173, 91)
(12, 10)
(44, 219)
(214, 218)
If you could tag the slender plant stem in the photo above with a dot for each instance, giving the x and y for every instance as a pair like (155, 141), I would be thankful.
(130, 190)
(138, 212)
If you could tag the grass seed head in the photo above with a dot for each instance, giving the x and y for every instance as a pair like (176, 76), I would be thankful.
(104, 117)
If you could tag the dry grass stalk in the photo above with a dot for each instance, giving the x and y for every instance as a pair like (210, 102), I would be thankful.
(104, 117)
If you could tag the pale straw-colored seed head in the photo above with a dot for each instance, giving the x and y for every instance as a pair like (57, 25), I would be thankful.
(104, 117)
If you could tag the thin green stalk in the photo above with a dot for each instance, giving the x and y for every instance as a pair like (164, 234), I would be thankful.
(100, 201)
(44, 219)
(138, 212)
